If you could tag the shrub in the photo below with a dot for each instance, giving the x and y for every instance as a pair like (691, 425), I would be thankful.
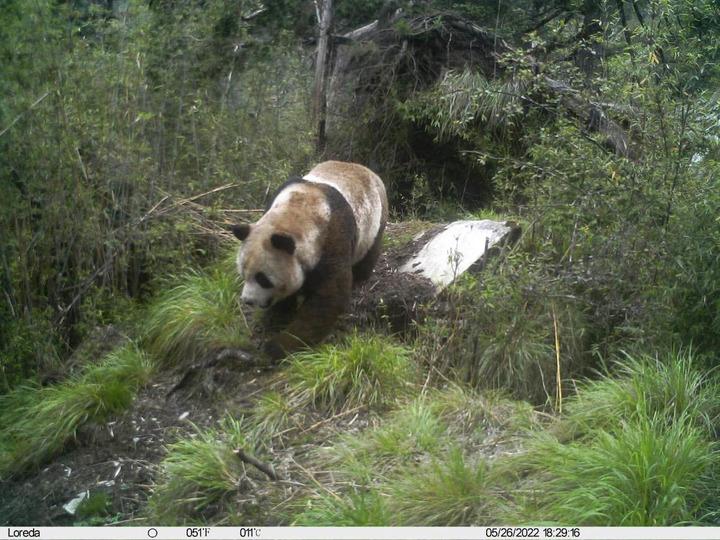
(26, 348)
(501, 333)
(694, 291)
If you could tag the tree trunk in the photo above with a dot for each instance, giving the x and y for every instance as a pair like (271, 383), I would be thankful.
(321, 75)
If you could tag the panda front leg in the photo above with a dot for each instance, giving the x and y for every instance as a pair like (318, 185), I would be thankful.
(281, 314)
(316, 317)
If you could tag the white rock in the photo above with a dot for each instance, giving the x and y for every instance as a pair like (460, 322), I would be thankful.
(72, 506)
(457, 247)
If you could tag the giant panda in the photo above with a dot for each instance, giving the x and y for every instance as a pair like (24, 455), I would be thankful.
(321, 234)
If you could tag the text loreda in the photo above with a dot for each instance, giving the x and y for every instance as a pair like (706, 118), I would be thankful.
(23, 533)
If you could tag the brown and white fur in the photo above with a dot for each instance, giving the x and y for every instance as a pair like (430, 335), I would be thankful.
(321, 234)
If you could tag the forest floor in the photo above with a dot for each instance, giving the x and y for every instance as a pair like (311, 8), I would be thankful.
(375, 427)
(120, 458)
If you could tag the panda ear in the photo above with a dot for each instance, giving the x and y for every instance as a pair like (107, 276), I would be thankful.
(283, 242)
(241, 231)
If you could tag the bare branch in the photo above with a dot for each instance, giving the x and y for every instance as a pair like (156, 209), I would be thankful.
(247, 458)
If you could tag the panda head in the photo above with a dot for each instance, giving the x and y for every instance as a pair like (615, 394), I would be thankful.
(267, 263)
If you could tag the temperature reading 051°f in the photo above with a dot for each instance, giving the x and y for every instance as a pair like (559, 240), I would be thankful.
(197, 532)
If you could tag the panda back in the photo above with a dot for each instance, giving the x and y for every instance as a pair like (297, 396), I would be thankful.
(364, 192)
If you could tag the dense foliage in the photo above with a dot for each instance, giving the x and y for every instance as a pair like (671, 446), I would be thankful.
(111, 119)
(133, 132)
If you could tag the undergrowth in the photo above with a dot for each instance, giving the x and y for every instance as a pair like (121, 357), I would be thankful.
(637, 448)
(516, 330)
(198, 314)
(37, 422)
(360, 509)
(671, 387)
(648, 472)
(450, 490)
(365, 370)
(633, 448)
(427, 427)
(199, 474)
(272, 414)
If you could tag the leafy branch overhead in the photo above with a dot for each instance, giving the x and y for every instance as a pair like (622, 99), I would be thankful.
(452, 58)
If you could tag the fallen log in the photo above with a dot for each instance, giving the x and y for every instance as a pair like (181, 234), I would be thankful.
(407, 280)
(455, 249)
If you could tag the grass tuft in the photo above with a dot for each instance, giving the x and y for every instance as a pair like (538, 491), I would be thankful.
(366, 370)
(645, 387)
(648, 473)
(199, 314)
(272, 414)
(409, 432)
(468, 410)
(634, 449)
(199, 473)
(37, 422)
(449, 492)
(361, 509)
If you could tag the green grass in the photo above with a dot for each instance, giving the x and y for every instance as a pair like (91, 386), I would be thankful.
(647, 473)
(366, 370)
(36, 422)
(404, 232)
(448, 491)
(632, 449)
(361, 509)
(272, 414)
(412, 431)
(94, 509)
(201, 313)
(467, 409)
(502, 333)
(419, 464)
(671, 388)
(199, 473)
(426, 428)
(489, 213)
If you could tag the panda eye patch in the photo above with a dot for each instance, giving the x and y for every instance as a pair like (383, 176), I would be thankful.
(263, 280)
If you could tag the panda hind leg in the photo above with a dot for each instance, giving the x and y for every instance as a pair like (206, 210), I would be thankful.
(364, 268)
